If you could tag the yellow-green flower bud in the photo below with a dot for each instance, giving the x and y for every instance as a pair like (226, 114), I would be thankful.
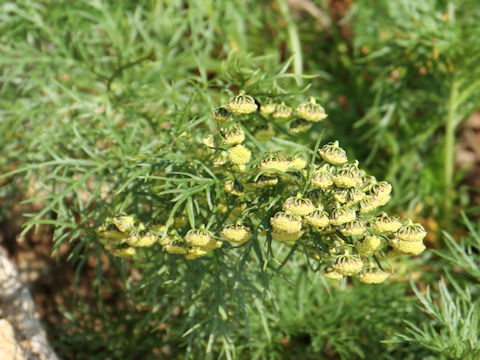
(236, 233)
(264, 181)
(141, 239)
(233, 135)
(332, 274)
(233, 188)
(342, 215)
(275, 162)
(370, 203)
(282, 112)
(241, 104)
(109, 231)
(411, 232)
(354, 228)
(322, 179)
(299, 126)
(408, 247)
(124, 223)
(369, 245)
(348, 265)
(385, 224)
(298, 163)
(311, 111)
(124, 251)
(264, 133)
(221, 115)
(345, 179)
(198, 237)
(239, 155)
(349, 196)
(284, 222)
(212, 245)
(381, 189)
(372, 276)
(298, 206)
(177, 247)
(268, 108)
(195, 253)
(318, 219)
(333, 154)
(286, 236)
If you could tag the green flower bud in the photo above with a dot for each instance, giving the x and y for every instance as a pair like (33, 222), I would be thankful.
(233, 188)
(385, 224)
(284, 222)
(268, 108)
(322, 179)
(332, 274)
(300, 126)
(239, 155)
(333, 154)
(141, 239)
(408, 247)
(273, 161)
(221, 115)
(198, 237)
(342, 215)
(353, 228)
(124, 223)
(369, 245)
(233, 135)
(236, 233)
(298, 163)
(372, 276)
(311, 111)
(298, 206)
(124, 251)
(370, 203)
(241, 104)
(411, 232)
(282, 112)
(349, 196)
(264, 181)
(195, 253)
(381, 189)
(264, 133)
(177, 247)
(348, 265)
(318, 219)
(286, 236)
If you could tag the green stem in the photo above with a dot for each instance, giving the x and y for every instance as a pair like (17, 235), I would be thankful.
(449, 154)
(294, 39)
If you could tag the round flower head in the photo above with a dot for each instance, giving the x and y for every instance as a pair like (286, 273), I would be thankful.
(109, 230)
(349, 196)
(317, 219)
(124, 251)
(382, 189)
(322, 179)
(268, 108)
(368, 182)
(332, 274)
(124, 223)
(348, 265)
(345, 179)
(311, 111)
(282, 112)
(233, 135)
(177, 247)
(221, 115)
(333, 154)
(233, 188)
(212, 245)
(411, 232)
(408, 247)
(342, 215)
(298, 206)
(372, 276)
(198, 238)
(285, 222)
(385, 224)
(298, 163)
(354, 228)
(195, 253)
(239, 155)
(241, 104)
(369, 245)
(141, 239)
(264, 133)
(264, 181)
(299, 126)
(369, 204)
(236, 233)
(286, 236)
(273, 161)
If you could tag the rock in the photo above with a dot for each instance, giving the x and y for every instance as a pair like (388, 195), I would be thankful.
(9, 348)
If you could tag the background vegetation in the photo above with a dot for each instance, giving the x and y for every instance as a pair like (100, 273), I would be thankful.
(94, 95)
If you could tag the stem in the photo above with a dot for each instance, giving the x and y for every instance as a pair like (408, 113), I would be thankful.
(449, 153)
(293, 37)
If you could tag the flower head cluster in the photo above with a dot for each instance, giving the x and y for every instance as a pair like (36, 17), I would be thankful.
(325, 204)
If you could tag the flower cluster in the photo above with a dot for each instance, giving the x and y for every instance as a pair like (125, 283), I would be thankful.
(325, 204)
